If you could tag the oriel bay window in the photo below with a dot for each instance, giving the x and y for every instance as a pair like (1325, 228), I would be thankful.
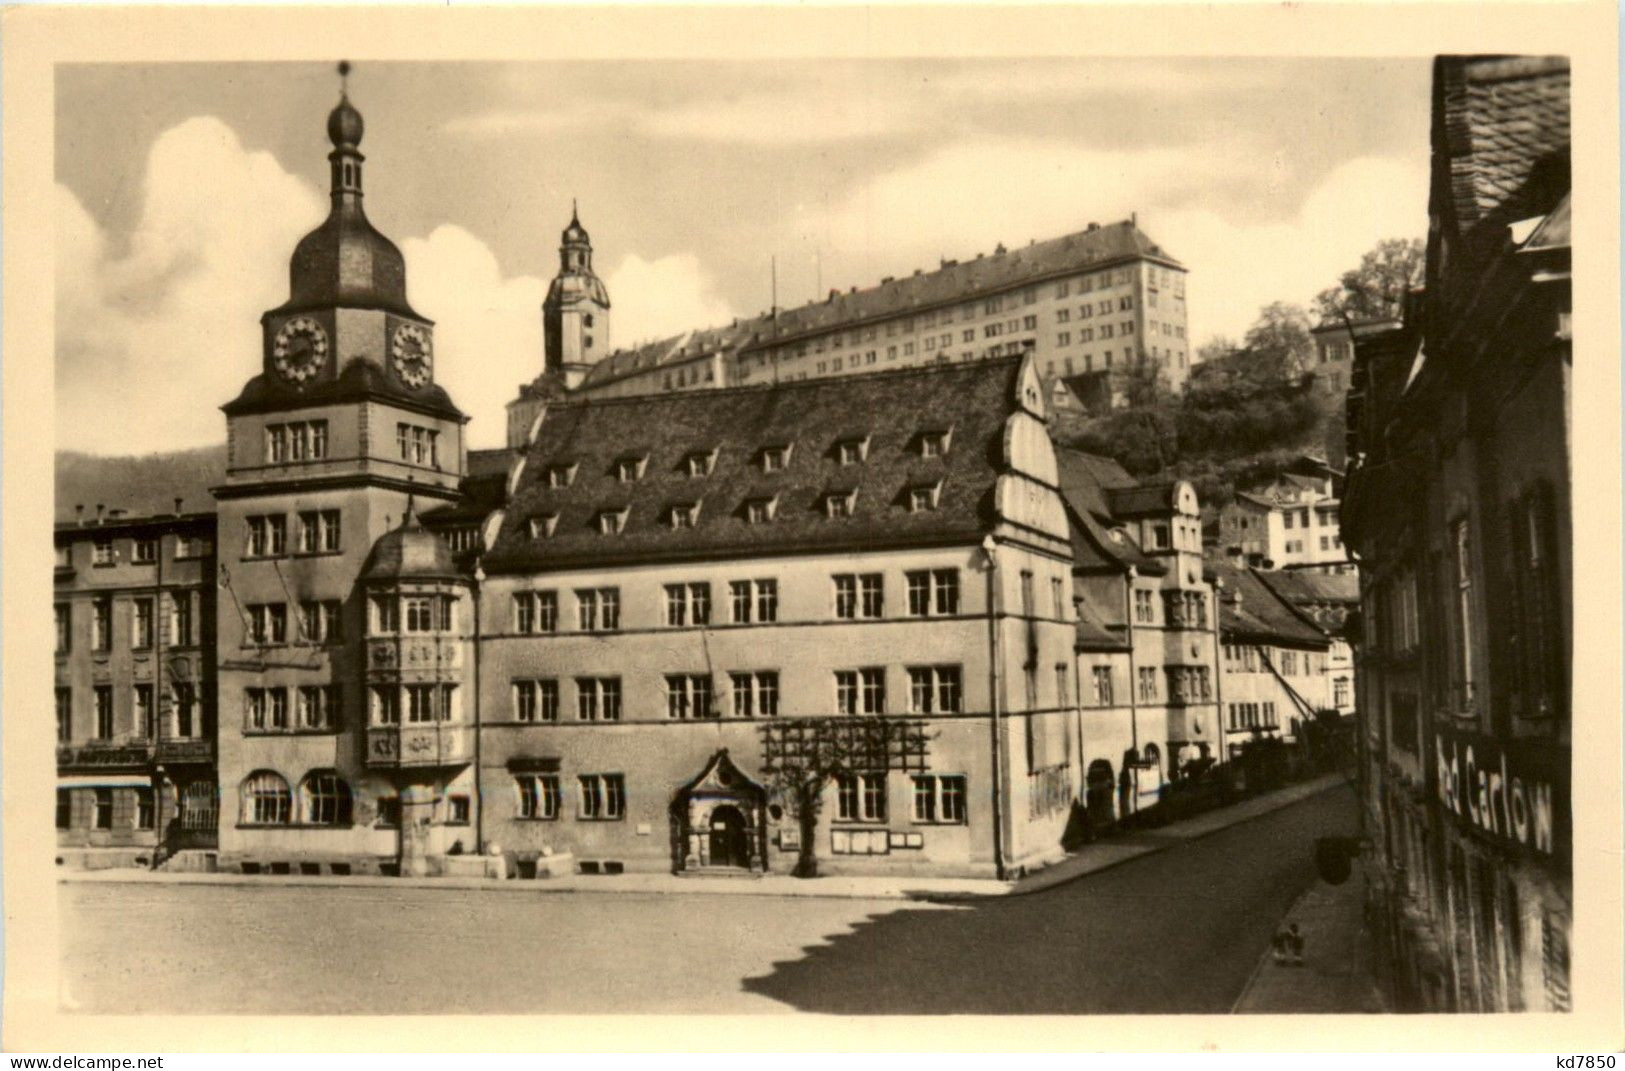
(385, 705)
(430, 703)
(603, 796)
(539, 796)
(939, 799)
(860, 797)
(688, 695)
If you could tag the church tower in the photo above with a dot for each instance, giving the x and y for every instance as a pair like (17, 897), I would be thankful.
(330, 446)
(575, 316)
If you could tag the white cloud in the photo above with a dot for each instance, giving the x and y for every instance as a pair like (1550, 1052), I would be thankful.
(488, 327)
(1237, 269)
(150, 338)
(652, 299)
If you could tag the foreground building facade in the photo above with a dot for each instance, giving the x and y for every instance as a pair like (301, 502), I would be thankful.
(1457, 506)
(613, 645)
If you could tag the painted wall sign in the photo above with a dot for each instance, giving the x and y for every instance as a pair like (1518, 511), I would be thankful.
(1506, 797)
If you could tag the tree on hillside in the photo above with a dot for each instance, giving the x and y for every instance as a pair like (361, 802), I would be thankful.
(1279, 340)
(1376, 289)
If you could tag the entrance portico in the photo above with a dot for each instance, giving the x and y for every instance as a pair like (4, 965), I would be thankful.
(720, 820)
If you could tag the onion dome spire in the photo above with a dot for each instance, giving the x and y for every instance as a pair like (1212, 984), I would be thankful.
(346, 261)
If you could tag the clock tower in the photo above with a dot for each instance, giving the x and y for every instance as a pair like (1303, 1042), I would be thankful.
(575, 315)
(342, 435)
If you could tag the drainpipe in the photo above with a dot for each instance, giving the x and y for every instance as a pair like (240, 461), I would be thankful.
(995, 693)
(158, 774)
(479, 794)
(1133, 682)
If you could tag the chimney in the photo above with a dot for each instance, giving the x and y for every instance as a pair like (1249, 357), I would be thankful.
(917, 271)
(178, 501)
(99, 509)
(79, 515)
(1133, 219)
(1093, 226)
(999, 250)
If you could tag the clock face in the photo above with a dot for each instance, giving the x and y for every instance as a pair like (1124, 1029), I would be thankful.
(412, 353)
(299, 350)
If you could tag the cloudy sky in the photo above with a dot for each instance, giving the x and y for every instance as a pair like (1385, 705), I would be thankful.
(182, 188)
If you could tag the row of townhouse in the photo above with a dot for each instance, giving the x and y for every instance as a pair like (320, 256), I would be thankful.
(624, 643)
(1457, 506)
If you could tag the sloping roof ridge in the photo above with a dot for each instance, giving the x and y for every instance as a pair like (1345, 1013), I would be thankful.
(1292, 607)
(812, 382)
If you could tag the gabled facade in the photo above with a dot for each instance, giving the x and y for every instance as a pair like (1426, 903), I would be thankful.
(675, 576)
(1289, 522)
(1457, 506)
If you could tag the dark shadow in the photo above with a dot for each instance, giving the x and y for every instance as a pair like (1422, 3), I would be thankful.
(1179, 931)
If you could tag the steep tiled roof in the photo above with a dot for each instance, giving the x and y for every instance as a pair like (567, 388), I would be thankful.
(1141, 499)
(1501, 131)
(890, 409)
(1094, 634)
(955, 281)
(1251, 611)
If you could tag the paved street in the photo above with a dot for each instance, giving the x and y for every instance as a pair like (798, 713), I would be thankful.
(1177, 931)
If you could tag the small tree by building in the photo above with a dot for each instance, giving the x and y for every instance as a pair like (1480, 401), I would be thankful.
(802, 755)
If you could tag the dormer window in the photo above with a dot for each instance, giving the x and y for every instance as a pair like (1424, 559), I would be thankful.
(760, 510)
(544, 526)
(923, 497)
(611, 521)
(851, 451)
(839, 503)
(629, 469)
(683, 515)
(560, 475)
(933, 443)
(699, 463)
(775, 458)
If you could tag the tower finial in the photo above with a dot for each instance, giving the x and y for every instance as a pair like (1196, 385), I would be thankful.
(574, 217)
(344, 77)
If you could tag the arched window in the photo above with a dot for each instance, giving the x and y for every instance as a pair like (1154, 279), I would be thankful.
(324, 799)
(266, 800)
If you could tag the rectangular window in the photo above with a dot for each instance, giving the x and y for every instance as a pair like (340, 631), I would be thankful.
(539, 796)
(598, 609)
(144, 550)
(183, 701)
(536, 700)
(141, 702)
(385, 614)
(102, 815)
(598, 699)
(141, 623)
(939, 799)
(316, 706)
(846, 595)
(101, 624)
(933, 592)
(872, 688)
(1102, 681)
(1144, 613)
(603, 796)
(64, 628)
(64, 715)
(101, 551)
(861, 797)
(934, 689)
(386, 706)
(181, 628)
(688, 696)
(64, 808)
